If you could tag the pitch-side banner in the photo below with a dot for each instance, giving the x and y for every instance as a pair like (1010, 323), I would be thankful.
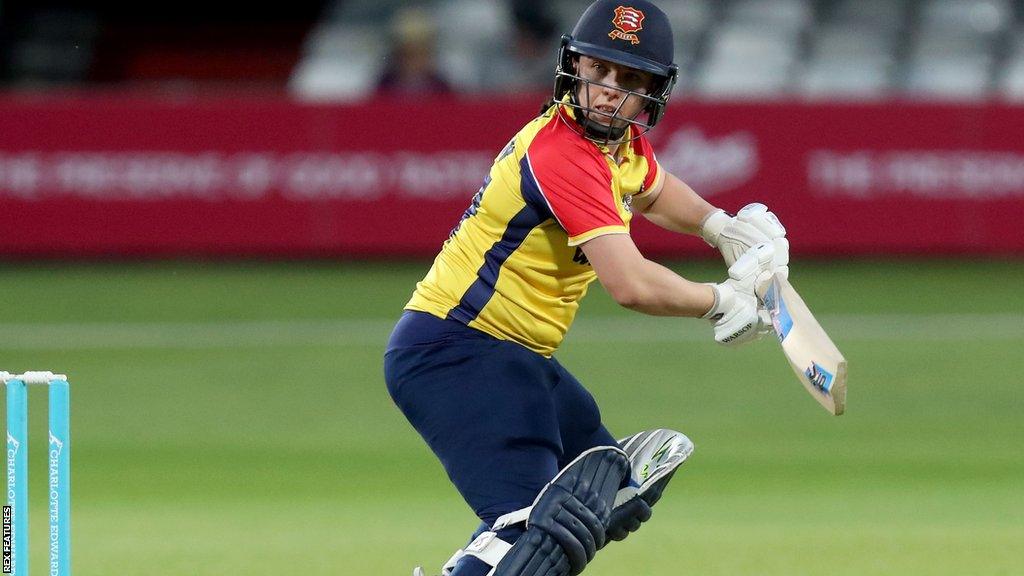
(110, 176)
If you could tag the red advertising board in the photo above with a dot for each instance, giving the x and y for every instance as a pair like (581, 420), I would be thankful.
(139, 176)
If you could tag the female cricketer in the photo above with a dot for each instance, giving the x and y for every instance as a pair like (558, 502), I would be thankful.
(470, 363)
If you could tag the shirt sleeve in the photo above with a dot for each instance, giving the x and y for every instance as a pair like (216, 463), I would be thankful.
(577, 186)
(655, 174)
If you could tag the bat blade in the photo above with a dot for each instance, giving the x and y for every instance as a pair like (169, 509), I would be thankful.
(815, 359)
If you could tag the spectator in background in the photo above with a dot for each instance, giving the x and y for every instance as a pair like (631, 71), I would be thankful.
(411, 67)
(526, 65)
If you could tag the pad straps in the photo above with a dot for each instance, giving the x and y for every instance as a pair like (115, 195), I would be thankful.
(489, 548)
(521, 515)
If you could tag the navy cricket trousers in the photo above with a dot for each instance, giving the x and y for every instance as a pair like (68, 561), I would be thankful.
(502, 419)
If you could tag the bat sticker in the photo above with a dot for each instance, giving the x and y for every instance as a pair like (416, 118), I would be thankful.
(821, 378)
(781, 320)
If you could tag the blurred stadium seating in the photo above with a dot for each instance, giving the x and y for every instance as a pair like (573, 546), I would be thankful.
(336, 50)
(735, 48)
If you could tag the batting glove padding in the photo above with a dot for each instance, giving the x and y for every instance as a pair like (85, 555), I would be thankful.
(752, 225)
(735, 312)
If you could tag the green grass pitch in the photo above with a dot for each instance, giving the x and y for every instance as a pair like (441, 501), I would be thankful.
(232, 419)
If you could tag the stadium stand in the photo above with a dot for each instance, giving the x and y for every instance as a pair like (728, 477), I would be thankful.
(338, 49)
(812, 49)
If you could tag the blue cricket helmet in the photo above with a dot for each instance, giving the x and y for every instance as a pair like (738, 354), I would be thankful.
(633, 33)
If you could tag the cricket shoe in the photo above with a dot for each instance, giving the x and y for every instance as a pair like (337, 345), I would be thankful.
(654, 457)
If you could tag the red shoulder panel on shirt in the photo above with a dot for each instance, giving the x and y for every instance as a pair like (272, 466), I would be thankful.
(574, 178)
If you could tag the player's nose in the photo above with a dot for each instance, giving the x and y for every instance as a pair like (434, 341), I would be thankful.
(611, 87)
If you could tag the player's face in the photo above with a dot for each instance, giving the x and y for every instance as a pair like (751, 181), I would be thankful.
(608, 90)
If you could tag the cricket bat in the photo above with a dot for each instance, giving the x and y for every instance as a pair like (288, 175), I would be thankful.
(818, 364)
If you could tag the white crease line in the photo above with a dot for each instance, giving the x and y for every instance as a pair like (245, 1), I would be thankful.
(374, 332)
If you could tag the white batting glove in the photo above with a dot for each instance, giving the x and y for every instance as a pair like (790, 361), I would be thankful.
(735, 312)
(752, 225)
(734, 316)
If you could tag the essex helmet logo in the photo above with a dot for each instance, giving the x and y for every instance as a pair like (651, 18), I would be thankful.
(628, 21)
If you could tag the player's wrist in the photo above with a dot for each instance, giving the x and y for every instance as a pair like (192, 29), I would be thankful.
(724, 297)
(712, 225)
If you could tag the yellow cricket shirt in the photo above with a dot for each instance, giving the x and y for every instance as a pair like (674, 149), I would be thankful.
(512, 267)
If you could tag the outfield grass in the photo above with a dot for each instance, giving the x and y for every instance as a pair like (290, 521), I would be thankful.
(232, 419)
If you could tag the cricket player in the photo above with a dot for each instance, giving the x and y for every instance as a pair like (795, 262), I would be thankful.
(471, 361)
